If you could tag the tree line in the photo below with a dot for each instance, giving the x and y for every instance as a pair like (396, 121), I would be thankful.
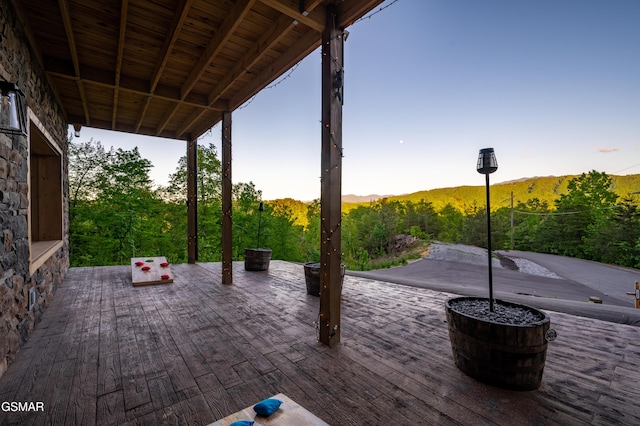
(116, 213)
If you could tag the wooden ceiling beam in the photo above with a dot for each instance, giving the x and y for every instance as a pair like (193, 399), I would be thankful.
(298, 51)
(104, 78)
(145, 104)
(198, 130)
(168, 116)
(314, 19)
(182, 11)
(349, 11)
(268, 39)
(188, 123)
(68, 28)
(231, 22)
(37, 52)
(174, 31)
(124, 7)
(253, 55)
(126, 128)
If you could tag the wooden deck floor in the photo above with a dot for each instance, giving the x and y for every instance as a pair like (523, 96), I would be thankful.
(195, 351)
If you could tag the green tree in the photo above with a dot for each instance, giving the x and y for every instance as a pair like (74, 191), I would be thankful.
(451, 224)
(474, 226)
(587, 202)
(246, 218)
(283, 236)
(527, 219)
(311, 236)
(124, 195)
(114, 208)
(501, 229)
(423, 216)
(370, 228)
(86, 163)
(209, 198)
(616, 238)
(209, 177)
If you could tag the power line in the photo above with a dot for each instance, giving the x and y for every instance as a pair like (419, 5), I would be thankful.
(565, 213)
(627, 168)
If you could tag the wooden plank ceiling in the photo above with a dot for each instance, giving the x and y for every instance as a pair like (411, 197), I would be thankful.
(169, 68)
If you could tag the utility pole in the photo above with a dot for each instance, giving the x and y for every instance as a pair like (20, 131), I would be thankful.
(511, 220)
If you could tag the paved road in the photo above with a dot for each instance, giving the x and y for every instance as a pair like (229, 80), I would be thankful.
(580, 280)
(612, 281)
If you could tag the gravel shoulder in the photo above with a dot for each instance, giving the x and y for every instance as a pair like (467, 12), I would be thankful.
(478, 256)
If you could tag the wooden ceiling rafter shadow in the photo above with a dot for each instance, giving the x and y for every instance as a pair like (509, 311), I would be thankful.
(169, 68)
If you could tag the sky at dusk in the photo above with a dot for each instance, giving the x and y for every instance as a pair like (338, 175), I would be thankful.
(552, 85)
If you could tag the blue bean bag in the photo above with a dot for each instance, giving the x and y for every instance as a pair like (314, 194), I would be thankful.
(267, 407)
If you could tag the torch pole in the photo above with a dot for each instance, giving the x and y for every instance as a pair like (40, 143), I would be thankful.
(259, 223)
(489, 246)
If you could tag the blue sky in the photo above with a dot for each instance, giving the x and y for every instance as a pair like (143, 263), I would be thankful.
(552, 85)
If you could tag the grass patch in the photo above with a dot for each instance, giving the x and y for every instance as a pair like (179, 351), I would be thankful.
(417, 251)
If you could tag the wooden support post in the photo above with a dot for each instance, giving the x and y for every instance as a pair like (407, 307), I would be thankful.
(192, 200)
(331, 180)
(227, 221)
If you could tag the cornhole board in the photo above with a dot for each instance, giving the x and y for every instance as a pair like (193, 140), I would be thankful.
(289, 413)
(140, 277)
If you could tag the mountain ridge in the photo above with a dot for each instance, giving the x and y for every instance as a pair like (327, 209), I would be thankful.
(545, 189)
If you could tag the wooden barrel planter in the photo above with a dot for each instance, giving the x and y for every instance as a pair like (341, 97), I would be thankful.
(256, 259)
(506, 355)
(312, 277)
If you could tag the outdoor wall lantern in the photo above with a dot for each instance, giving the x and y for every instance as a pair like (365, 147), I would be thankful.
(76, 130)
(13, 117)
(488, 164)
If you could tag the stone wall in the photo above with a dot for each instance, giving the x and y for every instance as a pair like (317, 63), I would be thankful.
(18, 64)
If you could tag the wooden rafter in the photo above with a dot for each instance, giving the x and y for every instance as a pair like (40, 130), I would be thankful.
(308, 42)
(168, 115)
(123, 30)
(172, 36)
(225, 31)
(169, 67)
(98, 77)
(38, 53)
(68, 28)
(241, 67)
(251, 57)
(266, 42)
(315, 18)
(167, 48)
(169, 43)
